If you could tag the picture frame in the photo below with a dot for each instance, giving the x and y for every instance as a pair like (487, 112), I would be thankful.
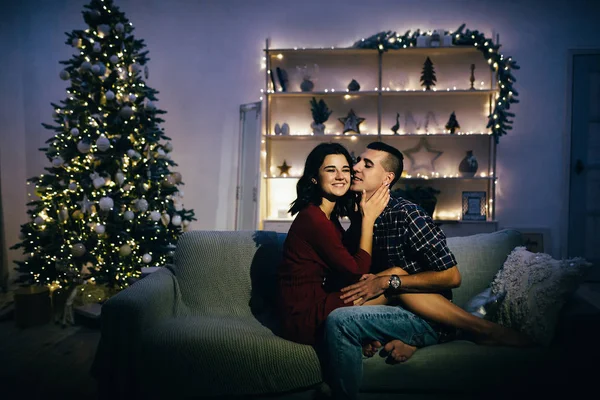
(474, 206)
(535, 239)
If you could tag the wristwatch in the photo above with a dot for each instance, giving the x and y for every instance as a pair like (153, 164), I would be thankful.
(394, 283)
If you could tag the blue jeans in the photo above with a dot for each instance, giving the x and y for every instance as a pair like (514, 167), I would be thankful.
(347, 329)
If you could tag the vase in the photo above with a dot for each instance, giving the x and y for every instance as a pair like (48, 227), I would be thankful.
(318, 129)
(468, 166)
(307, 85)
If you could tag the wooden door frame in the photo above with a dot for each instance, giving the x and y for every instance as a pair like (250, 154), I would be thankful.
(566, 181)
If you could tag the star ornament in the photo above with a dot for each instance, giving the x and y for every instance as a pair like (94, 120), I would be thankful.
(86, 205)
(422, 156)
(351, 122)
(284, 169)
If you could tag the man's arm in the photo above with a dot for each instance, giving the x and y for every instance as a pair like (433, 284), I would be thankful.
(421, 282)
(426, 281)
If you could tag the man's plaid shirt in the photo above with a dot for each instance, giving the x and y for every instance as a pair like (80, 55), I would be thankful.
(405, 236)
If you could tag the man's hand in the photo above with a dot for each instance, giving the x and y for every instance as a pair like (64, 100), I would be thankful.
(368, 287)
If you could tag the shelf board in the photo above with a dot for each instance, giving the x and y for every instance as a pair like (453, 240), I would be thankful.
(439, 221)
(450, 178)
(460, 221)
(354, 51)
(372, 136)
(390, 93)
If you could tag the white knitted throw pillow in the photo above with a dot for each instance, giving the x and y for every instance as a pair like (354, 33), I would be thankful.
(536, 286)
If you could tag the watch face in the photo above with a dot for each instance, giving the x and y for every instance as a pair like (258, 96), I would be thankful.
(394, 282)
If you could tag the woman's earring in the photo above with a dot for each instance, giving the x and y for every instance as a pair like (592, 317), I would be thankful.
(314, 181)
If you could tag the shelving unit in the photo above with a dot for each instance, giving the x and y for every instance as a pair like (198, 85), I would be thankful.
(389, 84)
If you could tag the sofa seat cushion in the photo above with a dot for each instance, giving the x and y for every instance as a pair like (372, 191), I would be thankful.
(459, 366)
(202, 355)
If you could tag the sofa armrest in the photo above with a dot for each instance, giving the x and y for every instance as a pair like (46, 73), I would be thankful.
(124, 317)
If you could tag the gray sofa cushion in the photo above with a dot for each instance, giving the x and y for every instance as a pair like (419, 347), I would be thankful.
(217, 355)
(227, 273)
(479, 258)
(460, 366)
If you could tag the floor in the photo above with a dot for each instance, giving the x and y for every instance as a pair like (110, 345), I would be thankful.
(47, 361)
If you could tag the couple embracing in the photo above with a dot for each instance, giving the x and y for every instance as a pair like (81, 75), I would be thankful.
(382, 285)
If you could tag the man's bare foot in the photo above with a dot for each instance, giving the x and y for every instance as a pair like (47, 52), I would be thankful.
(370, 349)
(397, 351)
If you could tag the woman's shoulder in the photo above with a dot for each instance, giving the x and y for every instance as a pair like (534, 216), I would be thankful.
(311, 214)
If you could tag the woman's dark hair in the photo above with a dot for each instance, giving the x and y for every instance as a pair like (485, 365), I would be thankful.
(309, 193)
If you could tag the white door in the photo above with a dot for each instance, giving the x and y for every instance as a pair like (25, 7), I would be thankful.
(246, 210)
(584, 175)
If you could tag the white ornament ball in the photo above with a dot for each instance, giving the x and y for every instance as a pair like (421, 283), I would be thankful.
(98, 69)
(176, 220)
(97, 48)
(186, 223)
(126, 112)
(64, 75)
(119, 27)
(100, 229)
(57, 162)
(141, 205)
(110, 95)
(114, 59)
(98, 182)
(125, 250)
(103, 143)
(131, 153)
(120, 177)
(132, 97)
(83, 147)
(39, 220)
(78, 249)
(128, 215)
(86, 66)
(155, 216)
(147, 258)
(72, 186)
(150, 105)
(106, 203)
(74, 132)
(168, 147)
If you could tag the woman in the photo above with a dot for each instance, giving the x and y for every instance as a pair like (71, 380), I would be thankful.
(313, 249)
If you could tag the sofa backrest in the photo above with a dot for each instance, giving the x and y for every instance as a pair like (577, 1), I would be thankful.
(228, 272)
(479, 258)
(233, 272)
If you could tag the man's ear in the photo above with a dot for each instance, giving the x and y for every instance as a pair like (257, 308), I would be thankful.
(389, 177)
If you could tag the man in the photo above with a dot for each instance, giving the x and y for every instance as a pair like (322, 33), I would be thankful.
(411, 255)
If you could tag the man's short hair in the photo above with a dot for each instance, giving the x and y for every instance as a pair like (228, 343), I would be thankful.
(394, 162)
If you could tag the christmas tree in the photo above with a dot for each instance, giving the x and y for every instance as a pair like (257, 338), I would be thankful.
(428, 78)
(109, 203)
(452, 124)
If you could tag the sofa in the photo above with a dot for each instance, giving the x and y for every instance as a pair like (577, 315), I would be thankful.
(206, 326)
